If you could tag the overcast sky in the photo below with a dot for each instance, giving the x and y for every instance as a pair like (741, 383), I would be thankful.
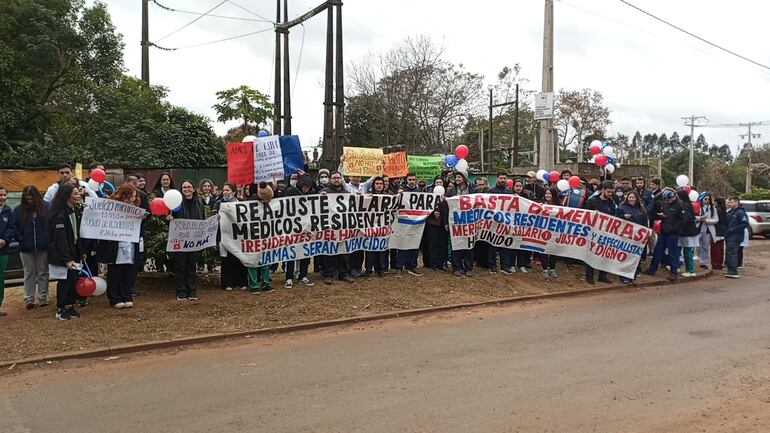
(650, 75)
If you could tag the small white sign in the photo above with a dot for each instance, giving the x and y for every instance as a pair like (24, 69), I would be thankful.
(544, 106)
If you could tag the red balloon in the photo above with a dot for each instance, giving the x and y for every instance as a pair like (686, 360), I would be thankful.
(696, 207)
(98, 175)
(594, 150)
(656, 226)
(553, 176)
(574, 182)
(687, 188)
(158, 207)
(600, 160)
(461, 151)
(86, 286)
(509, 183)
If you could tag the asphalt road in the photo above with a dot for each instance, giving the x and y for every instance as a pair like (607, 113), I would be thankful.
(659, 359)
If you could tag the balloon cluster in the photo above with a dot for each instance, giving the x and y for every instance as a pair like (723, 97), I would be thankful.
(88, 285)
(457, 161)
(683, 182)
(99, 180)
(172, 200)
(603, 156)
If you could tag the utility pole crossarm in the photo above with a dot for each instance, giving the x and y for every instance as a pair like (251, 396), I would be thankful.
(284, 26)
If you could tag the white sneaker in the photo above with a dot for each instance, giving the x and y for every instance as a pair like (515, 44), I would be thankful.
(306, 282)
(129, 304)
(120, 305)
(289, 284)
(229, 289)
(523, 270)
(687, 274)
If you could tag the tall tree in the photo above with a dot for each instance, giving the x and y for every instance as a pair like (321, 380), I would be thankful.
(579, 114)
(244, 103)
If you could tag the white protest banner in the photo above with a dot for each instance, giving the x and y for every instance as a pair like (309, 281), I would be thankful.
(111, 220)
(268, 159)
(297, 227)
(192, 235)
(603, 241)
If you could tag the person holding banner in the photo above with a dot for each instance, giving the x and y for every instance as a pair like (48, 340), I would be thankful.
(376, 261)
(121, 257)
(633, 209)
(339, 264)
(506, 254)
(185, 262)
(259, 277)
(303, 186)
(548, 261)
(232, 273)
(64, 248)
(462, 260)
(406, 260)
(672, 223)
(604, 203)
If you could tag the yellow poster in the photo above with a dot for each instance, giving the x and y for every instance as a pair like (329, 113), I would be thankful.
(79, 171)
(362, 161)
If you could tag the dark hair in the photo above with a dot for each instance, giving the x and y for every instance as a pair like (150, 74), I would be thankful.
(502, 173)
(721, 206)
(683, 195)
(232, 186)
(411, 173)
(638, 201)
(37, 205)
(61, 197)
(565, 171)
(158, 184)
(656, 181)
(371, 188)
(607, 184)
(93, 165)
(63, 165)
(625, 178)
(3, 187)
(554, 195)
(734, 197)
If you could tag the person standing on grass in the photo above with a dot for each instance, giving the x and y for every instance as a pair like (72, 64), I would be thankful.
(633, 210)
(7, 236)
(462, 260)
(602, 202)
(259, 277)
(233, 273)
(185, 262)
(672, 216)
(406, 260)
(375, 262)
(337, 265)
(737, 223)
(65, 251)
(303, 186)
(689, 236)
(548, 261)
(121, 257)
(718, 240)
(31, 224)
(506, 254)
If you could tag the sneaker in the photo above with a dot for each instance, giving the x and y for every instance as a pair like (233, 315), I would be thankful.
(267, 288)
(192, 298)
(73, 312)
(120, 305)
(553, 273)
(414, 272)
(399, 273)
(590, 281)
(328, 281)
(732, 276)
(740, 268)
(457, 274)
(129, 304)
(83, 303)
(43, 303)
(30, 305)
(178, 298)
(306, 282)
(492, 270)
(381, 274)
(255, 291)
(348, 279)
(3, 312)
(546, 273)
(229, 289)
(468, 273)
(289, 284)
(355, 273)
(688, 274)
(506, 271)
(523, 270)
(63, 314)
(671, 277)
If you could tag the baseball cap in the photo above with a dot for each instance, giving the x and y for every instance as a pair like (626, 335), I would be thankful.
(531, 174)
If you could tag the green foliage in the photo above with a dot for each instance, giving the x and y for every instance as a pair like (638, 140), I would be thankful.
(244, 103)
(155, 239)
(757, 193)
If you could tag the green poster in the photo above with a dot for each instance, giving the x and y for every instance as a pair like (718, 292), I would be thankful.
(425, 167)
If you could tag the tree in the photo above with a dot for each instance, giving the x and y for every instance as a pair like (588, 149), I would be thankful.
(244, 103)
(580, 114)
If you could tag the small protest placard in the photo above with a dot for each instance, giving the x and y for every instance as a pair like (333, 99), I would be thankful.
(192, 235)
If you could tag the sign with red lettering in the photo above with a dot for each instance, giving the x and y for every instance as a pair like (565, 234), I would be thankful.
(240, 163)
(396, 164)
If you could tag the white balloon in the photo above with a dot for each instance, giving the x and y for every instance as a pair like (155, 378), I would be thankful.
(462, 165)
(693, 195)
(682, 180)
(101, 286)
(562, 184)
(172, 198)
(609, 151)
(540, 175)
(596, 143)
(438, 189)
(249, 139)
(93, 185)
(609, 168)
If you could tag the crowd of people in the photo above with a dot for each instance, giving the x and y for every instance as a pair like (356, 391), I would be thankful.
(44, 228)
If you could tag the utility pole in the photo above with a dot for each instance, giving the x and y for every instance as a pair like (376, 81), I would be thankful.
(692, 119)
(546, 143)
(515, 156)
(277, 122)
(339, 98)
(286, 74)
(749, 148)
(328, 146)
(145, 43)
(491, 121)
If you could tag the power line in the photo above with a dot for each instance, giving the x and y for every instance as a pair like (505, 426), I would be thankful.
(194, 20)
(299, 60)
(249, 11)
(695, 36)
(210, 42)
(170, 9)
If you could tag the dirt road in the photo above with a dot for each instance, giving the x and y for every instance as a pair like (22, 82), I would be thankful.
(693, 357)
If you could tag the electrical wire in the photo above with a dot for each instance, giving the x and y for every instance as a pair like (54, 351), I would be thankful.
(170, 9)
(194, 20)
(249, 11)
(695, 36)
(210, 42)
(299, 60)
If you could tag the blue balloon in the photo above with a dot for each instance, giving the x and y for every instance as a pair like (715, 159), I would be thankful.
(108, 184)
(605, 144)
(450, 160)
(178, 208)
(262, 133)
(610, 160)
(546, 177)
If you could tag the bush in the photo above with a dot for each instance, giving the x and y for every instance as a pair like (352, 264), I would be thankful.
(757, 193)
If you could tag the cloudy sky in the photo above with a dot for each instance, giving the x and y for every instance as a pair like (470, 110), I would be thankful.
(651, 75)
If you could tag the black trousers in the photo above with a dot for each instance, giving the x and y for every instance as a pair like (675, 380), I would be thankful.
(437, 244)
(376, 261)
(338, 265)
(521, 258)
(65, 289)
(120, 283)
(233, 273)
(303, 265)
(184, 274)
(548, 261)
(356, 260)
(462, 260)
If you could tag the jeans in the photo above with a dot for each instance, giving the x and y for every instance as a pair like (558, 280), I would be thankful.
(462, 260)
(338, 265)
(666, 242)
(731, 257)
(406, 259)
(506, 257)
(590, 273)
(376, 261)
(705, 244)
(35, 275)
